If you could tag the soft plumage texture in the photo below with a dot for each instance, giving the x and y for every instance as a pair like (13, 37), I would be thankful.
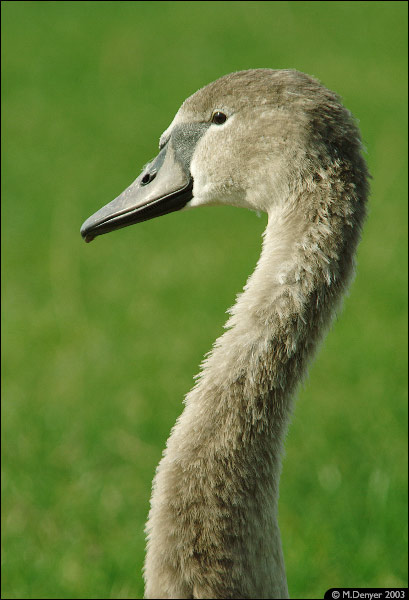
(291, 149)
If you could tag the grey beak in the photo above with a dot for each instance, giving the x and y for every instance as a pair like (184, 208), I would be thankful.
(165, 185)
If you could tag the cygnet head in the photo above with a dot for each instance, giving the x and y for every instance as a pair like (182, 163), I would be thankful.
(252, 139)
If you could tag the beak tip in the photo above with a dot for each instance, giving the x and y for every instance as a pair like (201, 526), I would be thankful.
(86, 235)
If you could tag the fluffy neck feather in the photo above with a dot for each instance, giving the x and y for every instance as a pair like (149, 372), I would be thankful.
(212, 530)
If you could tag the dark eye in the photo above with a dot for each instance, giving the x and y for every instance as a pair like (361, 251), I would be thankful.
(218, 117)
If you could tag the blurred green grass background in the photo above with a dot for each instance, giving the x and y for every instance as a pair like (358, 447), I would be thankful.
(101, 342)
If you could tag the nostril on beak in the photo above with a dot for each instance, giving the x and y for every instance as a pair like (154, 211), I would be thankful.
(148, 177)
